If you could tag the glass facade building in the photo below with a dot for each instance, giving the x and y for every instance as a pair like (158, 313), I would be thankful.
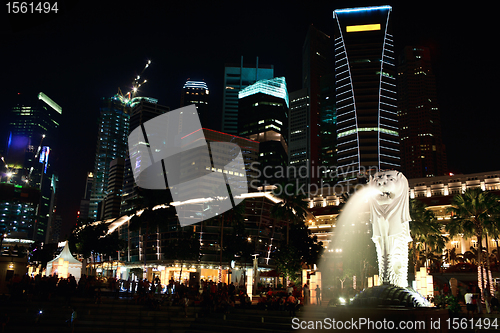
(111, 143)
(366, 103)
(237, 77)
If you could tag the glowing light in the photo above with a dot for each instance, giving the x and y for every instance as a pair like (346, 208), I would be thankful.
(367, 129)
(361, 9)
(196, 85)
(362, 27)
(50, 102)
(273, 87)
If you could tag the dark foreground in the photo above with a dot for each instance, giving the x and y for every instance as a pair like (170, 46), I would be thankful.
(124, 315)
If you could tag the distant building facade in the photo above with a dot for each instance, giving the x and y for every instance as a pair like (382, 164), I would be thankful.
(112, 142)
(237, 77)
(197, 93)
(422, 150)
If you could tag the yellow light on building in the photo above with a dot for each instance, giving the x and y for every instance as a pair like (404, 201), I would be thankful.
(362, 27)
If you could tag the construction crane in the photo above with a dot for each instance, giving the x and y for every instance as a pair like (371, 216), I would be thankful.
(136, 84)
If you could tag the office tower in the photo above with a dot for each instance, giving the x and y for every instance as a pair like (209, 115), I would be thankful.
(422, 149)
(316, 63)
(144, 110)
(33, 134)
(113, 198)
(366, 105)
(196, 92)
(198, 165)
(237, 77)
(111, 143)
(83, 214)
(263, 117)
(328, 130)
(299, 137)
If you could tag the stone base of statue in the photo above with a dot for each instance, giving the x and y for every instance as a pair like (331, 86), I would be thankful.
(389, 295)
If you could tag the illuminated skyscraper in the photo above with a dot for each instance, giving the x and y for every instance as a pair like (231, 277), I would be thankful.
(237, 77)
(32, 136)
(143, 111)
(366, 104)
(196, 92)
(264, 109)
(307, 114)
(112, 142)
(422, 149)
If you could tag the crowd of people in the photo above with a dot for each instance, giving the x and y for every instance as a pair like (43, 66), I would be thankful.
(210, 295)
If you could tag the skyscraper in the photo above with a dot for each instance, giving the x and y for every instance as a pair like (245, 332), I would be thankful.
(299, 137)
(111, 143)
(305, 109)
(32, 136)
(197, 93)
(366, 104)
(316, 63)
(144, 110)
(422, 149)
(237, 77)
(264, 109)
(85, 202)
(113, 198)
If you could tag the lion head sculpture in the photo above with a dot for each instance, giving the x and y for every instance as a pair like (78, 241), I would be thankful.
(393, 201)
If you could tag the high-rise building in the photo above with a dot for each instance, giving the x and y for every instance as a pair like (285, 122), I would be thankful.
(263, 117)
(197, 93)
(237, 77)
(32, 136)
(145, 109)
(316, 63)
(112, 142)
(366, 104)
(33, 133)
(299, 137)
(422, 149)
(85, 202)
(328, 130)
(113, 199)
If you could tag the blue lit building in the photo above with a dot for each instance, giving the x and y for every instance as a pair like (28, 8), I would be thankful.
(26, 167)
(237, 77)
(366, 104)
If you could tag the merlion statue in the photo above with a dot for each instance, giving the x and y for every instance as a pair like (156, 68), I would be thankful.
(390, 216)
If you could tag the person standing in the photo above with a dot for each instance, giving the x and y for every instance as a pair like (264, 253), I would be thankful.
(306, 292)
(291, 305)
(318, 295)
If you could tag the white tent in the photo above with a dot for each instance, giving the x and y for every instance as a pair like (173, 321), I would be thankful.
(64, 265)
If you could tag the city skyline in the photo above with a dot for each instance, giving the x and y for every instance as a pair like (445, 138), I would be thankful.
(77, 61)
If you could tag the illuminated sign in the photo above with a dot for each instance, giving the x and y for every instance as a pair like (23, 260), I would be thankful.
(362, 27)
(44, 157)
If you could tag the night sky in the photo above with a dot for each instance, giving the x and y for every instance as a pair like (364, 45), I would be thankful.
(90, 48)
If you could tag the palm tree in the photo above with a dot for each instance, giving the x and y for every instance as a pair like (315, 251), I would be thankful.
(425, 231)
(472, 212)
